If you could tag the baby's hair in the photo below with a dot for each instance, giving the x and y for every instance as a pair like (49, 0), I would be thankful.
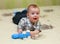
(32, 5)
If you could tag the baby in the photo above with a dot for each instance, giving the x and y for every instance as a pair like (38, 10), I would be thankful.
(31, 22)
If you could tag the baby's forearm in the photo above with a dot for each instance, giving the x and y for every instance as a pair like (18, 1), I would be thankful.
(34, 33)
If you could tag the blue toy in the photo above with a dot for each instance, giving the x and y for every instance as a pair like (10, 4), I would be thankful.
(27, 34)
(15, 36)
(21, 35)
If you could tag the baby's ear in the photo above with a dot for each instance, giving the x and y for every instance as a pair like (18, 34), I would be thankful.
(27, 15)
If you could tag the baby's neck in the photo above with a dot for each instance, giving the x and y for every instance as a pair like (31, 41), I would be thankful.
(33, 23)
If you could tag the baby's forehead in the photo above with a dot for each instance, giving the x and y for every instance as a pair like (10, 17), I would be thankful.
(34, 9)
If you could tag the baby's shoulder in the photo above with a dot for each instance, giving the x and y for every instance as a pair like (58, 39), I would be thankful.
(24, 18)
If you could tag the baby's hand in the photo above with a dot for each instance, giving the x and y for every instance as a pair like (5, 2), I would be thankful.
(35, 37)
(19, 30)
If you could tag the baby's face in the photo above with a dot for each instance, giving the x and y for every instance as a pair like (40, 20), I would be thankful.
(33, 14)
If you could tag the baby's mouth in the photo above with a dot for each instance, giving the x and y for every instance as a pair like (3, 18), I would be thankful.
(35, 18)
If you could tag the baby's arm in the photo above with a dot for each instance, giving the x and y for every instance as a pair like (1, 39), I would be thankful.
(36, 31)
(20, 26)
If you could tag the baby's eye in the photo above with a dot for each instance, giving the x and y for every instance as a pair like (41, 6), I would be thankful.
(32, 13)
(37, 13)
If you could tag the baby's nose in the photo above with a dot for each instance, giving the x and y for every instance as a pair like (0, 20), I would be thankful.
(35, 14)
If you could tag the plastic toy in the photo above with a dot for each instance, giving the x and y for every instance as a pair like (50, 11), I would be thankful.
(21, 35)
(15, 36)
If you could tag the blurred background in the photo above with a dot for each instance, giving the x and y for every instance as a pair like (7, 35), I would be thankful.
(10, 4)
(49, 15)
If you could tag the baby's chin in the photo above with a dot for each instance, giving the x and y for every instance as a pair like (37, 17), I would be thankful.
(34, 21)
